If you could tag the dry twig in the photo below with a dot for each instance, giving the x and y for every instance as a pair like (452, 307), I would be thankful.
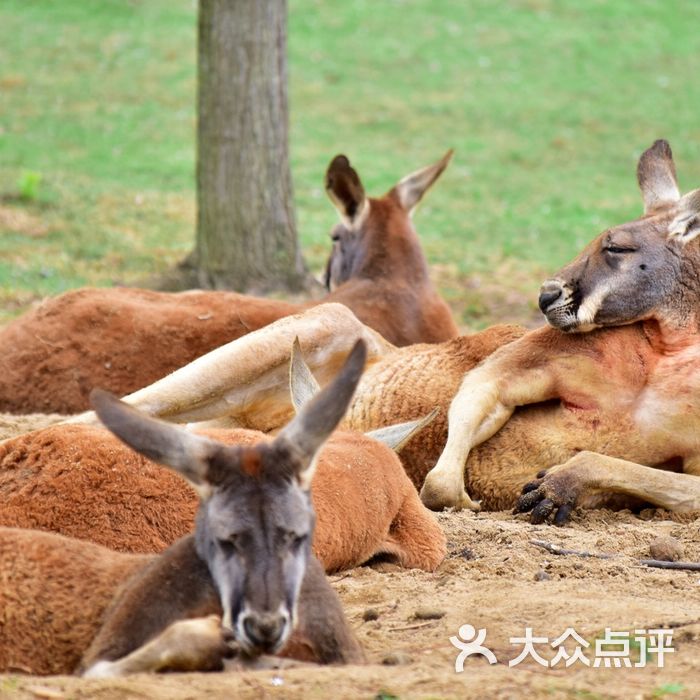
(652, 563)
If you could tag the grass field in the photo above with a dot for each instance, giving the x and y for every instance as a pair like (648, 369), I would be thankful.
(547, 103)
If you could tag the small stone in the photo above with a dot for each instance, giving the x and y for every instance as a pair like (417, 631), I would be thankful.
(428, 614)
(466, 553)
(396, 658)
(666, 548)
(542, 575)
(370, 614)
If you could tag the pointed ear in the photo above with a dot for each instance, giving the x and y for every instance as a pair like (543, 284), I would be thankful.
(346, 191)
(302, 384)
(175, 447)
(396, 436)
(305, 434)
(656, 175)
(411, 188)
(686, 224)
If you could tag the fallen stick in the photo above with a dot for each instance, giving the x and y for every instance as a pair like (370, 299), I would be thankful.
(412, 627)
(556, 549)
(652, 563)
(682, 565)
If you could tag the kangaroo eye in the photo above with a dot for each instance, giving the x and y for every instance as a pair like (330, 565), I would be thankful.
(294, 541)
(230, 545)
(297, 543)
(618, 250)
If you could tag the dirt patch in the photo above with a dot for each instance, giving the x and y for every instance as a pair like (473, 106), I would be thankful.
(492, 579)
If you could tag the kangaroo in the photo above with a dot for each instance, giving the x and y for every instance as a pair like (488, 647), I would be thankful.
(249, 561)
(82, 482)
(124, 339)
(621, 358)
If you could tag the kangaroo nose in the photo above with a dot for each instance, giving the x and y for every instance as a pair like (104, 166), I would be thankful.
(264, 630)
(549, 293)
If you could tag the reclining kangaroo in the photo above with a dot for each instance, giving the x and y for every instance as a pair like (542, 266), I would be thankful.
(249, 561)
(82, 482)
(604, 405)
(621, 358)
(123, 339)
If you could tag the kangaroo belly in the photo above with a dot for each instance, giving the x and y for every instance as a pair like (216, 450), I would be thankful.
(544, 435)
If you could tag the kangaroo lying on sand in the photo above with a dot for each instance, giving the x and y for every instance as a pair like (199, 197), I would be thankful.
(249, 561)
(81, 481)
(123, 339)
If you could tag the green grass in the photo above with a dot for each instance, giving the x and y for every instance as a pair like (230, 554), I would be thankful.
(547, 104)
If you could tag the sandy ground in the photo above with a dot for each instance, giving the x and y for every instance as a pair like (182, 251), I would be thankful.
(493, 579)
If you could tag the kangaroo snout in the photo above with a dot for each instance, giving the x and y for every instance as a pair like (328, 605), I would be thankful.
(265, 631)
(550, 292)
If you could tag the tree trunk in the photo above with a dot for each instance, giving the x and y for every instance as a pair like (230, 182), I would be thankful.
(246, 236)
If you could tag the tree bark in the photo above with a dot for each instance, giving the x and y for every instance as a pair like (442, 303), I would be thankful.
(246, 236)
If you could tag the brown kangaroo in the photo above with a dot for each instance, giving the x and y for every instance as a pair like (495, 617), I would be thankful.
(621, 360)
(249, 561)
(123, 339)
(81, 481)
(603, 407)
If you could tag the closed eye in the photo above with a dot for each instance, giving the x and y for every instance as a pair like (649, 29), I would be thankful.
(618, 250)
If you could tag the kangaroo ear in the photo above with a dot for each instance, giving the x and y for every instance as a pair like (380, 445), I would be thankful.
(411, 188)
(186, 453)
(346, 191)
(302, 383)
(656, 175)
(396, 436)
(686, 224)
(304, 435)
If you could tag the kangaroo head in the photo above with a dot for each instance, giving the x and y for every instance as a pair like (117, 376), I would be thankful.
(373, 231)
(255, 521)
(638, 270)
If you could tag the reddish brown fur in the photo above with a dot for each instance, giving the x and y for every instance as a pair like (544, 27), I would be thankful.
(124, 339)
(118, 339)
(391, 291)
(53, 572)
(584, 409)
(410, 382)
(82, 482)
(251, 464)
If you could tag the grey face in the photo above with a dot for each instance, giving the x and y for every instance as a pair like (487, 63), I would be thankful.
(647, 268)
(255, 522)
(254, 532)
(344, 255)
(621, 277)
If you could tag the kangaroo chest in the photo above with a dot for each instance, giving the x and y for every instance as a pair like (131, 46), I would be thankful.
(632, 401)
(668, 408)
